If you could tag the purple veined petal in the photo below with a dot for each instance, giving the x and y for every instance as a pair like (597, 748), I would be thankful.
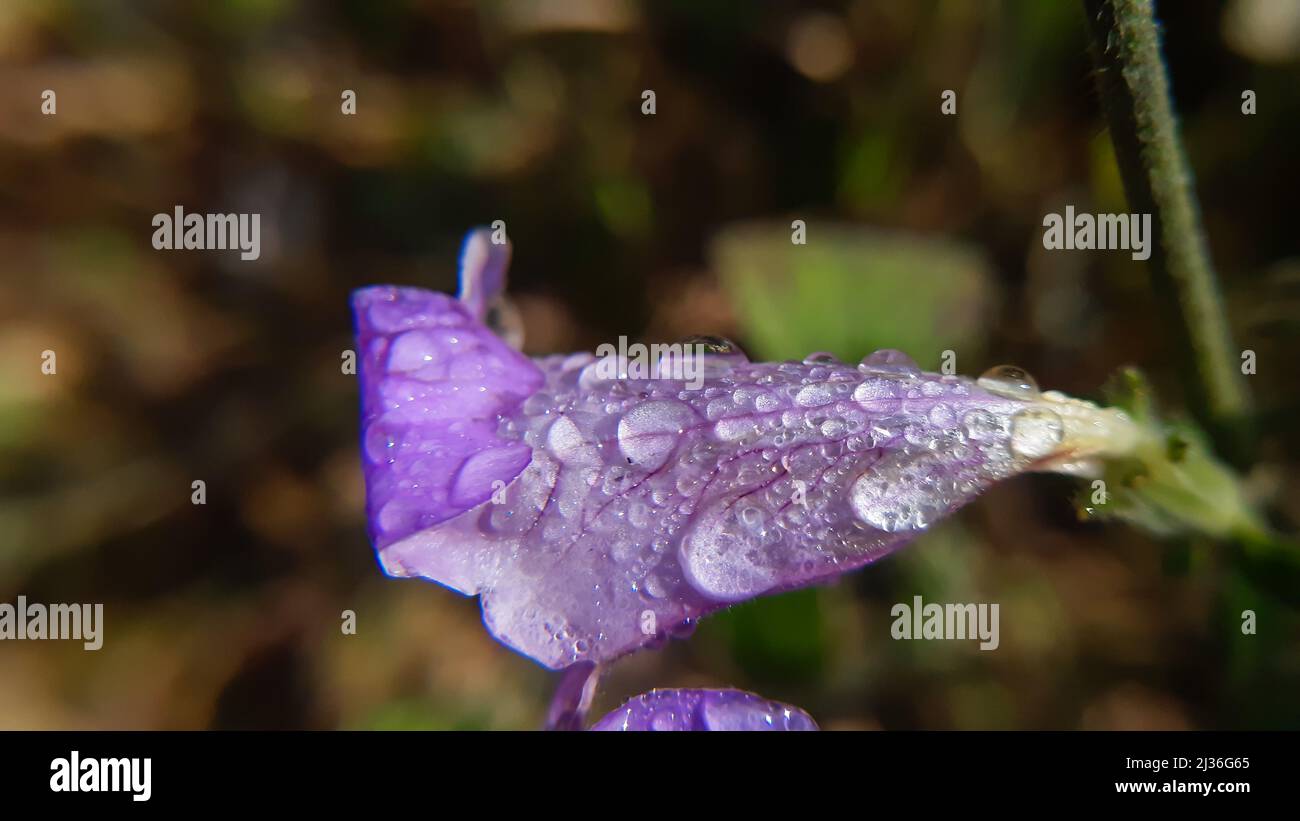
(434, 385)
(704, 710)
(595, 513)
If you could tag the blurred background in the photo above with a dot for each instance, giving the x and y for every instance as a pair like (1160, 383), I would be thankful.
(924, 233)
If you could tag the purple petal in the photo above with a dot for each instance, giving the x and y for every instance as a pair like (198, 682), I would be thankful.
(716, 710)
(434, 384)
(596, 512)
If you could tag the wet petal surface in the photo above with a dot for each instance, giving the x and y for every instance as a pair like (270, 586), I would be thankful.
(704, 710)
(598, 506)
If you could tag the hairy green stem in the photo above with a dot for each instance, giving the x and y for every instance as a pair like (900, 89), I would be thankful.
(1134, 93)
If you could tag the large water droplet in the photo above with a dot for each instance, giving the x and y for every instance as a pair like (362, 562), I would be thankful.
(1010, 382)
(888, 360)
(832, 428)
(812, 396)
(734, 428)
(565, 442)
(1035, 433)
(880, 499)
(981, 425)
(717, 560)
(650, 431)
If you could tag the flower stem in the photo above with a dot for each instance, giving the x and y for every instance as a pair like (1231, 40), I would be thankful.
(1134, 92)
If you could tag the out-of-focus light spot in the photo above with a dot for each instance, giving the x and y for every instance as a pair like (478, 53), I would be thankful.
(1267, 31)
(536, 16)
(819, 47)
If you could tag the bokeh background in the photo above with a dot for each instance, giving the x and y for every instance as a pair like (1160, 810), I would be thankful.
(924, 233)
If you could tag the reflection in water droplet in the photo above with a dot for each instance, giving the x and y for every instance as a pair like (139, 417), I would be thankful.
(1010, 382)
(565, 442)
(888, 360)
(821, 358)
(981, 425)
(832, 428)
(649, 432)
(889, 505)
(718, 561)
(1035, 433)
(812, 396)
(752, 518)
(715, 345)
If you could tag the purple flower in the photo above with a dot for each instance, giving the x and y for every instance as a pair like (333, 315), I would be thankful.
(705, 710)
(596, 509)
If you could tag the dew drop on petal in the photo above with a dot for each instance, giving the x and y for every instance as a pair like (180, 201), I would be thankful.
(941, 415)
(812, 396)
(1010, 382)
(717, 561)
(832, 428)
(566, 443)
(1035, 433)
(886, 504)
(981, 425)
(714, 345)
(888, 360)
(821, 358)
(650, 431)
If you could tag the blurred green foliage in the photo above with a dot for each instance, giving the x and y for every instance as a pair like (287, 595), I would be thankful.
(850, 291)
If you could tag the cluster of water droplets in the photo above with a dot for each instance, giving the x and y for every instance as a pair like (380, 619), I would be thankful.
(674, 501)
(1035, 431)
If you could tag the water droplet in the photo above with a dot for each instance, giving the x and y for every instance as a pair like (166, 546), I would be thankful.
(734, 428)
(832, 428)
(888, 505)
(941, 415)
(811, 396)
(1035, 433)
(821, 358)
(565, 442)
(649, 432)
(981, 425)
(888, 360)
(716, 562)
(714, 345)
(1010, 382)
